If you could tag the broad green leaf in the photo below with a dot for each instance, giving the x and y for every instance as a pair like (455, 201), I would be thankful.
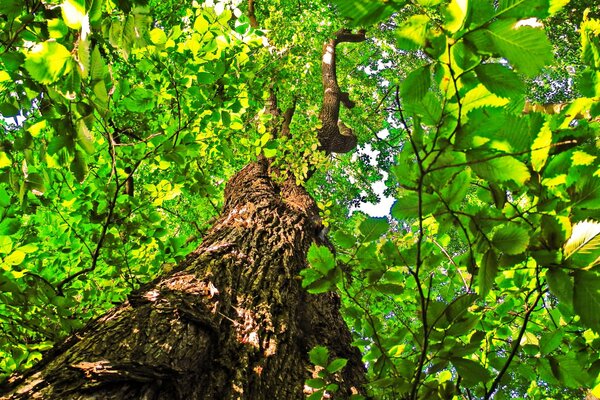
(73, 13)
(498, 168)
(541, 148)
(319, 356)
(366, 13)
(585, 243)
(9, 226)
(487, 272)
(500, 80)
(140, 100)
(527, 48)
(454, 15)
(561, 285)
(337, 365)
(407, 206)
(320, 258)
(15, 258)
(470, 371)
(158, 36)
(416, 84)
(523, 8)
(511, 239)
(4, 160)
(586, 298)
(412, 33)
(316, 383)
(481, 97)
(551, 341)
(373, 228)
(48, 61)
(5, 244)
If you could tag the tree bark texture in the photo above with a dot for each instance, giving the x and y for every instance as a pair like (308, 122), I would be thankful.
(232, 322)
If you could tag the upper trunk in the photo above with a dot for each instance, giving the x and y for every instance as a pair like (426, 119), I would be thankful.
(231, 322)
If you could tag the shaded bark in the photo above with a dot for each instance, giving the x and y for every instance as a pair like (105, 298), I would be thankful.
(232, 321)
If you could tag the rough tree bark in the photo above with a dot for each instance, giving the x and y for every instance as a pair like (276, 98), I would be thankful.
(233, 320)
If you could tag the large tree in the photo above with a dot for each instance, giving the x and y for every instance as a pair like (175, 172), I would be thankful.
(187, 162)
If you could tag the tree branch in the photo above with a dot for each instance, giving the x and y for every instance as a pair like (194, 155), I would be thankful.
(334, 136)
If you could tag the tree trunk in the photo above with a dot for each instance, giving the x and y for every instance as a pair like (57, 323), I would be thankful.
(231, 322)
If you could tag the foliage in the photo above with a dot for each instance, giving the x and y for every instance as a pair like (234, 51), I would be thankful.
(121, 123)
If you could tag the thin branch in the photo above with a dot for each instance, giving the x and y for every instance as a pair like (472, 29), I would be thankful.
(516, 345)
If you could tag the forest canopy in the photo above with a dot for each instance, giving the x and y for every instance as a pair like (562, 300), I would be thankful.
(121, 123)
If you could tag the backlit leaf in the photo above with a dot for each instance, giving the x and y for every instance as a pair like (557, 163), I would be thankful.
(48, 61)
(511, 239)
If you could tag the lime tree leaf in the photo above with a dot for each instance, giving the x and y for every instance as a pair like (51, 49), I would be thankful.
(584, 244)
(416, 84)
(336, 365)
(158, 36)
(550, 341)
(320, 258)
(365, 13)
(511, 239)
(541, 148)
(139, 100)
(373, 228)
(523, 8)
(319, 356)
(412, 33)
(487, 272)
(73, 13)
(585, 238)
(500, 80)
(527, 48)
(586, 298)
(48, 61)
(499, 169)
(471, 372)
(407, 206)
(561, 285)
(479, 97)
(15, 258)
(5, 244)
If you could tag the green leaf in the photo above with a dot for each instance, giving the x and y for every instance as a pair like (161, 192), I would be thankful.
(5, 244)
(407, 206)
(586, 298)
(337, 365)
(416, 84)
(320, 258)
(373, 228)
(412, 33)
(471, 372)
(541, 148)
(527, 48)
(140, 100)
(366, 13)
(561, 285)
(158, 36)
(585, 238)
(48, 61)
(73, 13)
(498, 168)
(319, 356)
(15, 258)
(511, 239)
(500, 80)
(317, 383)
(487, 272)
(551, 341)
